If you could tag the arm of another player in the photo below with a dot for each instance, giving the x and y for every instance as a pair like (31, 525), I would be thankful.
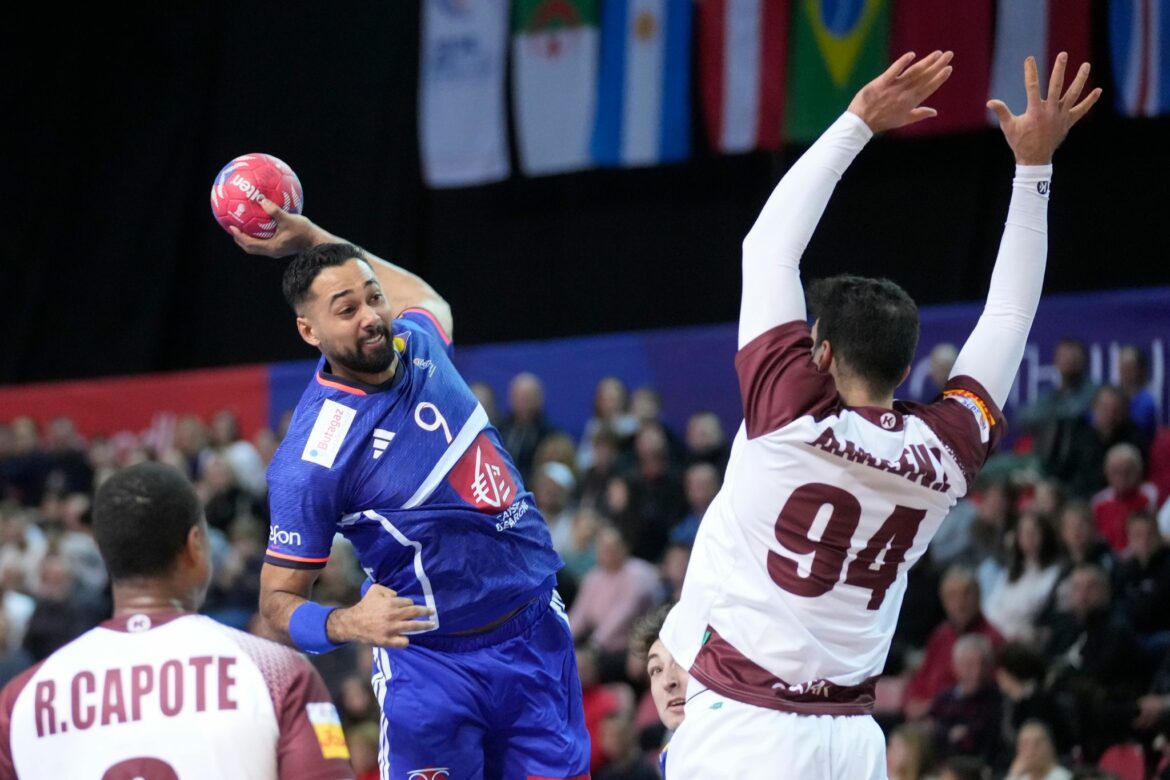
(772, 293)
(295, 232)
(381, 618)
(993, 352)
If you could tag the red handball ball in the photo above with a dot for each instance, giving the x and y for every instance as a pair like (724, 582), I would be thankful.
(244, 182)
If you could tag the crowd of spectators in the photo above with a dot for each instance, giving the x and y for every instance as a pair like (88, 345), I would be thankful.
(1034, 639)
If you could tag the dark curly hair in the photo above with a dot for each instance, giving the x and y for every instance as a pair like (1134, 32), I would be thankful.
(300, 273)
(872, 325)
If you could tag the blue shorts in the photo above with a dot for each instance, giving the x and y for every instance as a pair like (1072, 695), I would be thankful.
(502, 704)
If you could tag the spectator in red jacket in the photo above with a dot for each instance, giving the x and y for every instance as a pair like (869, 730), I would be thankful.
(1127, 493)
(959, 592)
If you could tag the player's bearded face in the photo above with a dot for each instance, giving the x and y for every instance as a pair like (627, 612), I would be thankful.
(372, 354)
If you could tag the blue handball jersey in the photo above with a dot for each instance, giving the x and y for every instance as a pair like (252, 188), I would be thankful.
(414, 475)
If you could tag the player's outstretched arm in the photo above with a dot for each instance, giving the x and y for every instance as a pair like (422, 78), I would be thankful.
(993, 352)
(381, 618)
(772, 294)
(295, 232)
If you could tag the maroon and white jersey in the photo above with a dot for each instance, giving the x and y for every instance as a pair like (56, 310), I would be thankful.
(799, 567)
(167, 696)
(798, 570)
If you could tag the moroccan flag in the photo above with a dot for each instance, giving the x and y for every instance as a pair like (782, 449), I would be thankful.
(922, 26)
(1041, 29)
(644, 98)
(462, 136)
(1139, 47)
(838, 46)
(743, 48)
(554, 82)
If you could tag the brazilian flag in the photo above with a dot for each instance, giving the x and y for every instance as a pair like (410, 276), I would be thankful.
(838, 46)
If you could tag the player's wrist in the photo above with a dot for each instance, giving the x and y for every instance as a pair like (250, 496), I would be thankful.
(318, 235)
(1036, 170)
(308, 628)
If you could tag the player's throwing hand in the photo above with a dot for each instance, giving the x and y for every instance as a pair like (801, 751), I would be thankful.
(294, 233)
(380, 619)
(1035, 134)
(893, 99)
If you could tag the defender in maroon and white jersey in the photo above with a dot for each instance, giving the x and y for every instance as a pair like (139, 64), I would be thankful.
(834, 489)
(158, 692)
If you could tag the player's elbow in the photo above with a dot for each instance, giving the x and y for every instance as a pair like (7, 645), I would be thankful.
(439, 307)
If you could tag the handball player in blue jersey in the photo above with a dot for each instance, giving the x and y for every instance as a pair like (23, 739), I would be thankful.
(473, 659)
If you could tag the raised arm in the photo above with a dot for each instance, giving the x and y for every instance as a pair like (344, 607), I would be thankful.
(772, 293)
(294, 232)
(993, 352)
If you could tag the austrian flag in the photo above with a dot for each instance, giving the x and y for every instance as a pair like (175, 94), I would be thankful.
(743, 46)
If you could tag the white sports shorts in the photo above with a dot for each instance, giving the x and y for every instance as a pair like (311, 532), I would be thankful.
(724, 738)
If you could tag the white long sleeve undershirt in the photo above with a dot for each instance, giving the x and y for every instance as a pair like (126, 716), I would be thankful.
(772, 291)
(772, 294)
(995, 347)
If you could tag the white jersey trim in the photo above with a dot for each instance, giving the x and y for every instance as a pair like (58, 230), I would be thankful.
(472, 428)
(419, 569)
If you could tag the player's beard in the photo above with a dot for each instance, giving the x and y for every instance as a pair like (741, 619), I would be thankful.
(363, 361)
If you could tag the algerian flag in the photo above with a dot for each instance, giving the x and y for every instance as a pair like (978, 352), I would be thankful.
(554, 82)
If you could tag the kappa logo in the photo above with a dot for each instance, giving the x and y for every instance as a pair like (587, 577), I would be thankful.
(382, 439)
(888, 421)
(138, 623)
(438, 773)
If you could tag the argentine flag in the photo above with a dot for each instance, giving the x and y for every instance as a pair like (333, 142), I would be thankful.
(643, 104)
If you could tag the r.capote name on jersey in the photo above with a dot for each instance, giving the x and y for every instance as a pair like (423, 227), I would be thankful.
(143, 691)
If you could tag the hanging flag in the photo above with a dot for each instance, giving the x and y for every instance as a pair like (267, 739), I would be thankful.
(643, 104)
(462, 135)
(1041, 29)
(922, 26)
(838, 46)
(554, 82)
(1139, 36)
(743, 46)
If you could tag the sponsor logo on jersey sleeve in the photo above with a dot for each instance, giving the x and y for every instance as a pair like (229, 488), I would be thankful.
(324, 442)
(482, 479)
(327, 727)
(977, 407)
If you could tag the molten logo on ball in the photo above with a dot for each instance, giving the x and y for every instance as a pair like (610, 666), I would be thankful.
(247, 180)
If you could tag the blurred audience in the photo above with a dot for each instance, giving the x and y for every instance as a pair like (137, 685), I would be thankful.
(1024, 586)
(611, 412)
(909, 753)
(1082, 589)
(968, 716)
(959, 592)
(525, 424)
(613, 595)
(1126, 493)
(1036, 756)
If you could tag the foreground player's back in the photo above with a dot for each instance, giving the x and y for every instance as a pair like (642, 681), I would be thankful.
(168, 696)
(797, 577)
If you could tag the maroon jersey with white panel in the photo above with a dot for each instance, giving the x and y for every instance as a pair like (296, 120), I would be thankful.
(165, 696)
(798, 571)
